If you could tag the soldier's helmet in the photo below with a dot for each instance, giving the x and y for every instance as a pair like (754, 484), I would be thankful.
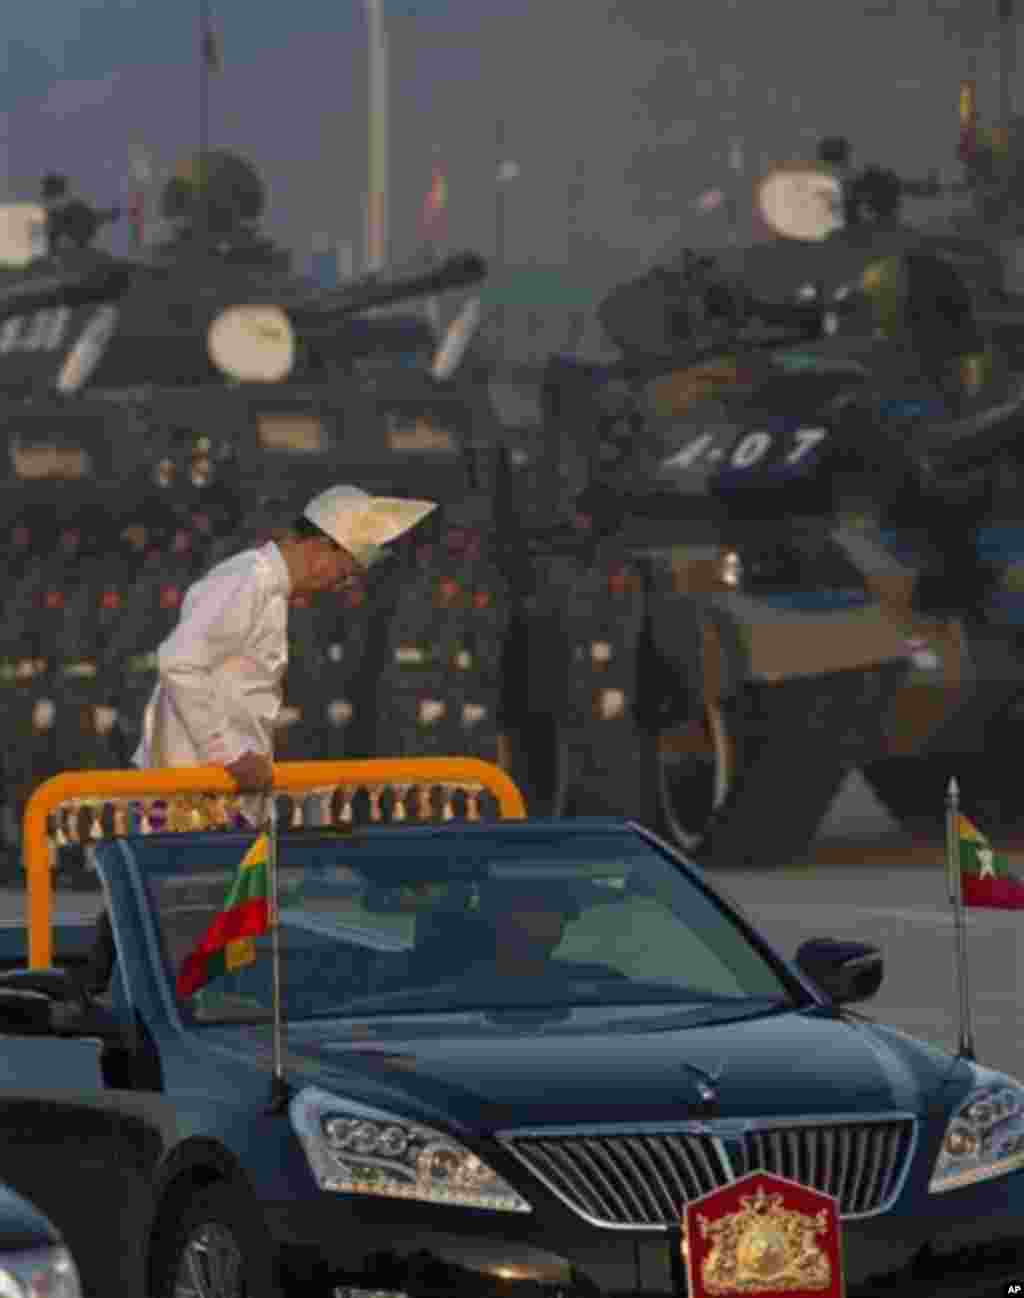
(54, 186)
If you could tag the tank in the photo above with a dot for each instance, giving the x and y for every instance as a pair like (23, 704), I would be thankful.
(745, 698)
(896, 449)
(215, 305)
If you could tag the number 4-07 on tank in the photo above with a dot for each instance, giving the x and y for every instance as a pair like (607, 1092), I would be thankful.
(749, 450)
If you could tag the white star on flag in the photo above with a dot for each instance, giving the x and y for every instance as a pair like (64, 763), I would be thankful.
(985, 857)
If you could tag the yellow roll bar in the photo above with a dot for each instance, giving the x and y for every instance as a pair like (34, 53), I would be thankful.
(94, 789)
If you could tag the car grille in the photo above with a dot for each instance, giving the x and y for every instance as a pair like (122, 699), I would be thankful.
(642, 1178)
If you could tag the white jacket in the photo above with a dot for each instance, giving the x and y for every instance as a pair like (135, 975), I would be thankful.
(221, 668)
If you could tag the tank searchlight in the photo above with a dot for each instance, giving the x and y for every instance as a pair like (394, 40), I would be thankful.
(252, 344)
(22, 234)
(800, 201)
(259, 343)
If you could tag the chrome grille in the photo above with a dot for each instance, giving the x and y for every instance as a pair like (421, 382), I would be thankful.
(641, 1178)
(860, 1164)
(627, 1178)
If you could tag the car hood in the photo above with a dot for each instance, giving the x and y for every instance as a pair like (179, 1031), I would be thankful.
(800, 1062)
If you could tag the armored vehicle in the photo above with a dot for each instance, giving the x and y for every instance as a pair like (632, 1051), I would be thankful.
(790, 693)
(882, 461)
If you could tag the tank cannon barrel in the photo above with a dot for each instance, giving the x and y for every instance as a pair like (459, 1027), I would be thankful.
(460, 271)
(68, 287)
(296, 337)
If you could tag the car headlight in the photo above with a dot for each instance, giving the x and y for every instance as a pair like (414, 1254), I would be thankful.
(984, 1137)
(39, 1273)
(359, 1150)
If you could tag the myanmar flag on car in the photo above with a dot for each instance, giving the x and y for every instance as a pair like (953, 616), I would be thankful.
(985, 880)
(227, 944)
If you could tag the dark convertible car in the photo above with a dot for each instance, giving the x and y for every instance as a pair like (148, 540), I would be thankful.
(512, 1054)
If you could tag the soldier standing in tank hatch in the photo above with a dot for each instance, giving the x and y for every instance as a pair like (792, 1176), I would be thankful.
(54, 193)
(70, 222)
(835, 154)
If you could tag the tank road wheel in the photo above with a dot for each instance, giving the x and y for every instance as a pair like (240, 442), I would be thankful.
(696, 768)
(215, 1247)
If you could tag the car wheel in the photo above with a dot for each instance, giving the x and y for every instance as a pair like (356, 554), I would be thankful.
(216, 1248)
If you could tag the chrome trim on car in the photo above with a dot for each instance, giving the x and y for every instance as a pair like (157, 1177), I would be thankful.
(638, 1176)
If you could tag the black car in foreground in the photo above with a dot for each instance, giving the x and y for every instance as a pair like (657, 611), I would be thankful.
(512, 1053)
(33, 1260)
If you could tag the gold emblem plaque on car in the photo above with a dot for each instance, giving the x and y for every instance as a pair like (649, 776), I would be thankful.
(764, 1237)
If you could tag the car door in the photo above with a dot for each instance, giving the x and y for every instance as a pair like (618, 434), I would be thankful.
(80, 1149)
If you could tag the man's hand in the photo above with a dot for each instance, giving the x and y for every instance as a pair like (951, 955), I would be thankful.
(252, 773)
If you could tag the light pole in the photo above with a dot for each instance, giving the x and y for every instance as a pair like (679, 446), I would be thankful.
(376, 198)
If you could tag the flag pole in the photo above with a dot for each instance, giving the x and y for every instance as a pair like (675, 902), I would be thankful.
(965, 1048)
(204, 120)
(377, 143)
(279, 1092)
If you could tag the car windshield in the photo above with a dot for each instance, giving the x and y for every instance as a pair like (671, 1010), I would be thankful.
(478, 922)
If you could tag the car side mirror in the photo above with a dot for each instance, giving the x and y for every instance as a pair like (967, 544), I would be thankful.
(846, 971)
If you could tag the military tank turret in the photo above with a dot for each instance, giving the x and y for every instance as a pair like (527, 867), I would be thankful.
(215, 303)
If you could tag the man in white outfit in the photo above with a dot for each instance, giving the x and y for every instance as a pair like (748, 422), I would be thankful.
(221, 669)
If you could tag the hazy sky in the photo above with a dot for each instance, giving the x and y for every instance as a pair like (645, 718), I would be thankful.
(640, 90)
